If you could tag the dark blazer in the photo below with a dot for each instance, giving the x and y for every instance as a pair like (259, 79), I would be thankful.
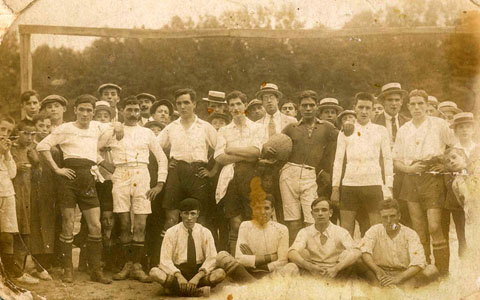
(380, 120)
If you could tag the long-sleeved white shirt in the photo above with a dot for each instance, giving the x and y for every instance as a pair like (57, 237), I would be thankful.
(363, 150)
(273, 238)
(189, 145)
(250, 135)
(76, 142)
(8, 171)
(174, 248)
(134, 148)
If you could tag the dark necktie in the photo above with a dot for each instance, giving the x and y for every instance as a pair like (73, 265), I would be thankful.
(271, 127)
(394, 128)
(191, 253)
(323, 238)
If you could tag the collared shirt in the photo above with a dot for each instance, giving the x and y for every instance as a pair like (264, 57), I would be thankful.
(174, 248)
(232, 135)
(401, 252)
(313, 148)
(363, 157)
(328, 254)
(273, 238)
(189, 145)
(8, 171)
(76, 142)
(280, 120)
(388, 124)
(134, 148)
(144, 121)
(424, 142)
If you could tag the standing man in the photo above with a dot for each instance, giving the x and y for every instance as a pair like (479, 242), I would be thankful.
(363, 180)
(188, 139)
(419, 143)
(447, 110)
(216, 102)
(110, 92)
(78, 141)
(146, 100)
(432, 108)
(162, 111)
(255, 110)
(311, 156)
(30, 104)
(328, 110)
(289, 108)
(131, 185)
(54, 106)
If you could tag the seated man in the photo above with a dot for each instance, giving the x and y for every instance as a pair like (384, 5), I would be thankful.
(393, 252)
(323, 248)
(187, 257)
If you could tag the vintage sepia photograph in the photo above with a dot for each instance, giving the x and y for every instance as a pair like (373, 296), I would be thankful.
(239, 149)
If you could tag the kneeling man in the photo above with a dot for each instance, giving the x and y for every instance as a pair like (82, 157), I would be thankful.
(188, 255)
(323, 248)
(393, 252)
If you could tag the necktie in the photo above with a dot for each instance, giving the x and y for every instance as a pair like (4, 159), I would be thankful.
(191, 253)
(323, 238)
(394, 129)
(271, 127)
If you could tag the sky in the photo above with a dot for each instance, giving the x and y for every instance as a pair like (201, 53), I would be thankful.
(154, 14)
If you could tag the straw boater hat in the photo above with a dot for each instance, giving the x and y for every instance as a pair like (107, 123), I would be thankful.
(53, 98)
(433, 100)
(449, 106)
(392, 88)
(463, 117)
(148, 96)
(215, 97)
(329, 103)
(165, 102)
(103, 105)
(268, 88)
(253, 103)
(109, 85)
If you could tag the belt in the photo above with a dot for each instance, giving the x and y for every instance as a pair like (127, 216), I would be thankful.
(193, 164)
(131, 165)
(306, 167)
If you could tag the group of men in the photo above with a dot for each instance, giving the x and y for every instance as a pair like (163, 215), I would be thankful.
(275, 189)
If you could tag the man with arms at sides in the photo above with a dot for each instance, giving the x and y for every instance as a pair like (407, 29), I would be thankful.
(323, 249)
(188, 256)
(419, 144)
(255, 110)
(362, 183)
(312, 154)
(238, 148)
(30, 104)
(188, 139)
(78, 141)
(393, 251)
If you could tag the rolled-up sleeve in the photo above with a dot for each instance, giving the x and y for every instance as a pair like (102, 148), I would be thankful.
(282, 252)
(166, 254)
(221, 143)
(368, 242)
(10, 165)
(300, 242)
(163, 138)
(244, 259)
(160, 156)
(211, 134)
(339, 156)
(210, 252)
(53, 139)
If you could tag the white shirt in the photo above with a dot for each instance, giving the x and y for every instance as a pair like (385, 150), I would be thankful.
(468, 150)
(174, 248)
(8, 171)
(134, 148)
(189, 145)
(388, 124)
(273, 238)
(76, 142)
(363, 157)
(280, 120)
(234, 136)
(424, 142)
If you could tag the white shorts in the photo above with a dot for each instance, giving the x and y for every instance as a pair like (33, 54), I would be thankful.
(130, 185)
(298, 187)
(8, 215)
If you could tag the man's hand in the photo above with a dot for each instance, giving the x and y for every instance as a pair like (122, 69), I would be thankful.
(325, 178)
(316, 270)
(417, 167)
(269, 152)
(331, 272)
(5, 145)
(203, 172)
(193, 283)
(118, 130)
(172, 164)
(182, 283)
(437, 168)
(153, 192)
(69, 173)
(384, 278)
(335, 197)
(22, 167)
(246, 249)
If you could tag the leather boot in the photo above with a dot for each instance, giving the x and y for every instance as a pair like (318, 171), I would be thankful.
(137, 273)
(125, 260)
(66, 254)
(82, 259)
(94, 253)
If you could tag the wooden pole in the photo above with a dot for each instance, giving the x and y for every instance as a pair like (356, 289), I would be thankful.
(25, 65)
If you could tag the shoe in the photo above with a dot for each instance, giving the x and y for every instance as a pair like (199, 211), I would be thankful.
(158, 275)
(138, 274)
(28, 279)
(67, 276)
(98, 276)
(123, 274)
(44, 275)
(202, 292)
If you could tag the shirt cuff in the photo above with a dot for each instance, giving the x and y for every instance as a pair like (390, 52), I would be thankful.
(247, 261)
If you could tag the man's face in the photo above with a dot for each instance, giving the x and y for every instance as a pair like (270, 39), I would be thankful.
(362, 110)
(55, 110)
(236, 107)
(417, 107)
(464, 131)
(185, 105)
(131, 114)
(448, 116)
(262, 213)
(432, 111)
(156, 129)
(378, 109)
(270, 102)
(218, 123)
(110, 95)
(189, 218)
(289, 110)
(32, 106)
(256, 112)
(348, 119)
(25, 136)
(102, 116)
(220, 108)
(43, 128)
(308, 108)
(328, 114)
(162, 115)
(6, 129)
(145, 104)
(393, 104)
(390, 219)
(321, 213)
(455, 161)
(84, 113)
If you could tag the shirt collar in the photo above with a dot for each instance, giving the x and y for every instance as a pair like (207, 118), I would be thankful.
(317, 121)
(177, 121)
(248, 122)
(186, 229)
(389, 117)
(327, 232)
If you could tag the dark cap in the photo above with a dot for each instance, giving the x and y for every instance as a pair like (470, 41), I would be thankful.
(165, 102)
(53, 98)
(219, 116)
(149, 124)
(189, 204)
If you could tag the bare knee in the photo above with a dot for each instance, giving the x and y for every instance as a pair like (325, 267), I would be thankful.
(139, 231)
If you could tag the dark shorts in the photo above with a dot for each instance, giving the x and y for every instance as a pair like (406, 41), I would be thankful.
(427, 189)
(237, 198)
(80, 190)
(104, 191)
(183, 181)
(353, 198)
(451, 202)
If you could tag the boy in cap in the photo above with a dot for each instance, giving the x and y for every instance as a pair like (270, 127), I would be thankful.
(155, 126)
(162, 111)
(54, 106)
(30, 103)
(146, 100)
(255, 110)
(187, 259)
(219, 120)
(328, 109)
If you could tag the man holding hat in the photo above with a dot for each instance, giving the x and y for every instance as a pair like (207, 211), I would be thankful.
(54, 106)
(110, 92)
(255, 110)
(188, 256)
(216, 102)
(447, 110)
(162, 111)
(328, 110)
(146, 100)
